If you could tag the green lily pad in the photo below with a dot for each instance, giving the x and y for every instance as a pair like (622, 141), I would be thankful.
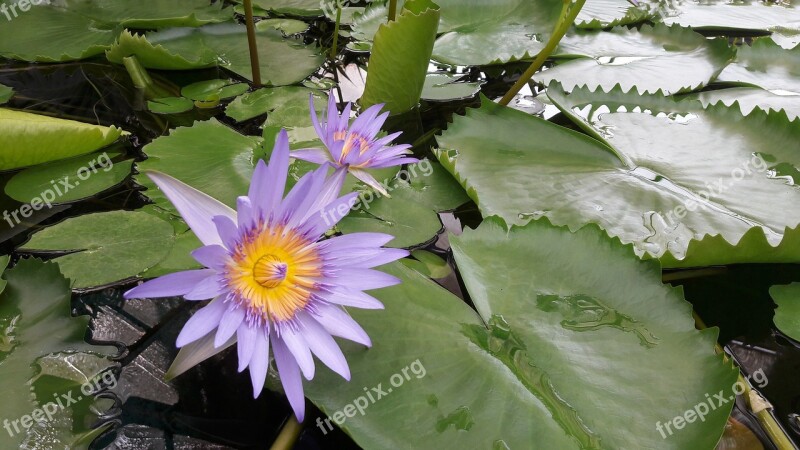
(410, 223)
(31, 35)
(428, 264)
(223, 45)
(42, 344)
(106, 247)
(69, 180)
(597, 14)
(170, 105)
(150, 14)
(214, 90)
(640, 179)
(767, 65)
(749, 99)
(400, 58)
(428, 183)
(639, 58)
(744, 15)
(299, 8)
(787, 315)
(286, 26)
(445, 87)
(560, 341)
(208, 156)
(5, 93)
(28, 139)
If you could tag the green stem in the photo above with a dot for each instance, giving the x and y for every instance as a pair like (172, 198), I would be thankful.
(334, 49)
(568, 14)
(288, 435)
(141, 80)
(251, 41)
(392, 10)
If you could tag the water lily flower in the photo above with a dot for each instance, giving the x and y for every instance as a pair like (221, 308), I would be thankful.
(273, 282)
(355, 146)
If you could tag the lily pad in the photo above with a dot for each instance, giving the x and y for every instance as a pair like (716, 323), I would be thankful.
(744, 15)
(170, 105)
(639, 58)
(5, 93)
(31, 35)
(299, 8)
(410, 223)
(748, 99)
(598, 14)
(559, 341)
(787, 315)
(28, 139)
(767, 65)
(400, 58)
(428, 264)
(40, 338)
(643, 182)
(445, 87)
(208, 156)
(150, 14)
(223, 45)
(68, 180)
(105, 247)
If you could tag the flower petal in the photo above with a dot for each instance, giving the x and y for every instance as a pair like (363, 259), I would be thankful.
(369, 180)
(229, 324)
(259, 363)
(355, 240)
(314, 118)
(228, 231)
(338, 323)
(327, 217)
(202, 322)
(171, 285)
(269, 182)
(246, 336)
(322, 344)
(206, 289)
(195, 353)
(341, 295)
(297, 345)
(314, 155)
(365, 279)
(196, 208)
(290, 377)
(213, 256)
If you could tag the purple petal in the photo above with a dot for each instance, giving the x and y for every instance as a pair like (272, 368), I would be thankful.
(259, 363)
(314, 118)
(213, 256)
(228, 231)
(328, 193)
(366, 121)
(269, 182)
(338, 323)
(171, 285)
(196, 208)
(206, 289)
(393, 162)
(202, 322)
(365, 279)
(297, 345)
(341, 295)
(355, 240)
(327, 217)
(246, 335)
(299, 205)
(290, 377)
(366, 258)
(229, 324)
(322, 344)
(369, 180)
(195, 353)
(247, 216)
(314, 155)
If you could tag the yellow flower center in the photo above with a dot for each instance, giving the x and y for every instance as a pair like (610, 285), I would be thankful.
(274, 273)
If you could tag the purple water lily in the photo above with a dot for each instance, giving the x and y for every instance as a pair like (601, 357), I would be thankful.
(273, 282)
(355, 146)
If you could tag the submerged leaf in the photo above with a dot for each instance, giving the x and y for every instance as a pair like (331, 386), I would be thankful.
(5, 93)
(41, 340)
(787, 315)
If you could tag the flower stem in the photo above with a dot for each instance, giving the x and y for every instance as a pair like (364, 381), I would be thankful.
(251, 41)
(334, 49)
(568, 14)
(392, 10)
(288, 435)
